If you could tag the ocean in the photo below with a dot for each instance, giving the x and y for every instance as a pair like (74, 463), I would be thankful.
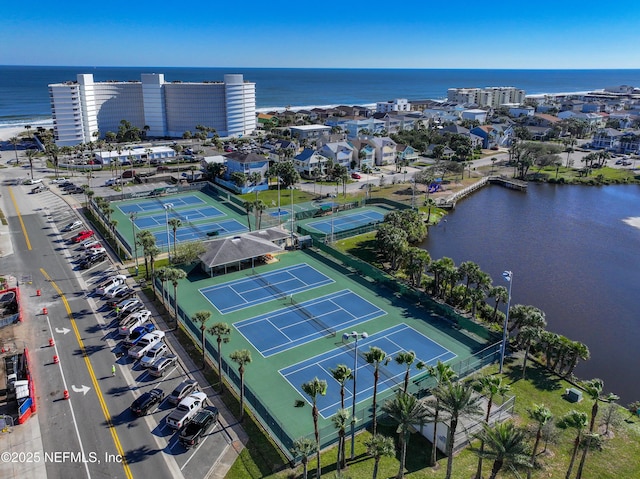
(24, 96)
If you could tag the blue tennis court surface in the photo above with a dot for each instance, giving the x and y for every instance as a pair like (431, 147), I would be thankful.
(199, 231)
(301, 323)
(183, 215)
(392, 341)
(347, 222)
(158, 205)
(260, 288)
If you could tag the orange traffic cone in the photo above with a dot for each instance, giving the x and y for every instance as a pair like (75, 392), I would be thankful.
(66, 394)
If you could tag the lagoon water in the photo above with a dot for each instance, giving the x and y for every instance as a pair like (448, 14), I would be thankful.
(574, 252)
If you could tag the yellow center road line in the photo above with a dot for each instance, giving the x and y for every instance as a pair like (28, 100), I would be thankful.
(24, 230)
(94, 380)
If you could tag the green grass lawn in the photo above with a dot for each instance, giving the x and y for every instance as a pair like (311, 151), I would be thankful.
(618, 459)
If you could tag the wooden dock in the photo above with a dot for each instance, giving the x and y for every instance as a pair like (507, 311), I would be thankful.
(450, 201)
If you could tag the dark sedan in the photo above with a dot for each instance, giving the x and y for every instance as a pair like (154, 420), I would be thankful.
(148, 400)
(198, 427)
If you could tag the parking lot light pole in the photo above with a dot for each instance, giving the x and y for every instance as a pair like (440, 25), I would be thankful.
(167, 206)
(345, 337)
(508, 276)
(133, 216)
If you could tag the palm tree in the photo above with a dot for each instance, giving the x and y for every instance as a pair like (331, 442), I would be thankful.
(241, 357)
(163, 276)
(443, 374)
(505, 445)
(202, 317)
(491, 386)
(303, 447)
(593, 389)
(578, 421)
(30, 156)
(342, 373)
(248, 206)
(340, 421)
(147, 241)
(457, 400)
(407, 411)
(221, 331)
(375, 356)
(469, 271)
(527, 336)
(15, 141)
(174, 223)
(175, 275)
(541, 415)
(379, 446)
(501, 295)
(312, 389)
(406, 358)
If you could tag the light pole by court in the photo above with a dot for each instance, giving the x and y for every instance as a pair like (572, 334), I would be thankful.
(167, 206)
(133, 216)
(508, 276)
(346, 336)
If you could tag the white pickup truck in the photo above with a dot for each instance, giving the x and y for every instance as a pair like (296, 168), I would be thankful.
(145, 343)
(187, 408)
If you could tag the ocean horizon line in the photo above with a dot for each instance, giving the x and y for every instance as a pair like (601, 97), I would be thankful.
(324, 68)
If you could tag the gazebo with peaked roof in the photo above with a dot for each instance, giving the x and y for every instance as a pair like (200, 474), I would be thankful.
(238, 252)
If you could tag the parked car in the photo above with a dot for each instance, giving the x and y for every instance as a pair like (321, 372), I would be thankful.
(162, 365)
(82, 236)
(126, 307)
(33, 181)
(183, 389)
(112, 181)
(156, 351)
(136, 334)
(113, 291)
(96, 250)
(355, 176)
(90, 243)
(133, 321)
(186, 410)
(73, 226)
(128, 294)
(198, 426)
(110, 281)
(128, 174)
(89, 261)
(75, 190)
(38, 189)
(68, 186)
(146, 401)
(145, 344)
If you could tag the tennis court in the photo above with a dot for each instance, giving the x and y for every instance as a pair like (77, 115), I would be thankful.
(192, 214)
(397, 339)
(300, 323)
(191, 232)
(260, 288)
(346, 222)
(148, 206)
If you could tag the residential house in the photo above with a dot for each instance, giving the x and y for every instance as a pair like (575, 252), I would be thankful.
(518, 111)
(539, 133)
(364, 154)
(630, 142)
(247, 163)
(340, 152)
(447, 153)
(309, 132)
(594, 120)
(267, 121)
(385, 150)
(474, 115)
(399, 104)
(543, 119)
(406, 154)
(460, 130)
(310, 161)
(279, 150)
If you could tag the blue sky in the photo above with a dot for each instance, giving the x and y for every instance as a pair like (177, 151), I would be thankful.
(339, 34)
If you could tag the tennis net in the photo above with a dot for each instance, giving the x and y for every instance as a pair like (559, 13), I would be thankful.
(277, 292)
(331, 332)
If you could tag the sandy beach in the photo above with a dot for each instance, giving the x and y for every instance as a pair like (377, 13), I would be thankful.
(9, 131)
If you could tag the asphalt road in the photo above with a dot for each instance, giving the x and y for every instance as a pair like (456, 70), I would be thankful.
(87, 435)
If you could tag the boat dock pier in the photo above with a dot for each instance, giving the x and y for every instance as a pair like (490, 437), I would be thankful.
(450, 201)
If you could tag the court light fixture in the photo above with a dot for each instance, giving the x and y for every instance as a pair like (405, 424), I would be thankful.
(345, 337)
(508, 276)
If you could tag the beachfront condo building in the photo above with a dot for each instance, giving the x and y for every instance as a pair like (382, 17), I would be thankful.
(494, 96)
(161, 109)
